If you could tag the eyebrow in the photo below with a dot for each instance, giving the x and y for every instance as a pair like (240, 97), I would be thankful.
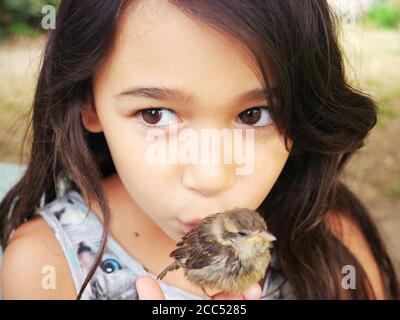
(179, 95)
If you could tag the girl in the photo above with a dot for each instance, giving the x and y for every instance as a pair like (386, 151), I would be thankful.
(91, 218)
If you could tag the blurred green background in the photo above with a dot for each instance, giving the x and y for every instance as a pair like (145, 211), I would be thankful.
(22, 17)
(370, 39)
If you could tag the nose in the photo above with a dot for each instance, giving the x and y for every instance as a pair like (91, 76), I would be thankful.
(208, 179)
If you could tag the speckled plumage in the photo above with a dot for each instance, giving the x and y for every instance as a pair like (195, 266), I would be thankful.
(228, 251)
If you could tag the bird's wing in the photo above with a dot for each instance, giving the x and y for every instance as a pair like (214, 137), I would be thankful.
(198, 248)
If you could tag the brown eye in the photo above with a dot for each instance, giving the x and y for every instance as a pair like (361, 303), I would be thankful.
(151, 116)
(257, 117)
(250, 116)
(158, 116)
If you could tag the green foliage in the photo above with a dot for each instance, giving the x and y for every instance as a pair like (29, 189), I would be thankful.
(384, 15)
(393, 190)
(22, 16)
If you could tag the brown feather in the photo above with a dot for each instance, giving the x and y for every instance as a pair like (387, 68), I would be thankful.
(223, 252)
(173, 266)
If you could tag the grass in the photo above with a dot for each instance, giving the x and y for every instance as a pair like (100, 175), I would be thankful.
(385, 15)
(372, 61)
(16, 93)
(393, 191)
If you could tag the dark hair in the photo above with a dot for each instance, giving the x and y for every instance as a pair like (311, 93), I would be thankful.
(314, 106)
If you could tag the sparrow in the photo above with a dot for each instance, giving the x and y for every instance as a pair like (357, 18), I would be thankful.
(227, 251)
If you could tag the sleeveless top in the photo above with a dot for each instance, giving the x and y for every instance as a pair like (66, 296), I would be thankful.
(78, 231)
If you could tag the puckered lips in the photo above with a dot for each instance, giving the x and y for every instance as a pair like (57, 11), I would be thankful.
(190, 224)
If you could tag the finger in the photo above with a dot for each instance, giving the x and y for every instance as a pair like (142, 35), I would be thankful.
(253, 292)
(206, 297)
(149, 289)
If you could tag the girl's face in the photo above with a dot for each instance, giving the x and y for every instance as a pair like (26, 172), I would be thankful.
(159, 47)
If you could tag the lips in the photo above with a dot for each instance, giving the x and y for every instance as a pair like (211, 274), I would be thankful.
(193, 222)
(190, 224)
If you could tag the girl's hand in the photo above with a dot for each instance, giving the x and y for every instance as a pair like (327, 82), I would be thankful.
(149, 289)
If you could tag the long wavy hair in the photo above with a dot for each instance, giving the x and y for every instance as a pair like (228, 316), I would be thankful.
(314, 106)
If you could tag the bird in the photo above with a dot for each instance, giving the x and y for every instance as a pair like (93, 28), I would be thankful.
(228, 251)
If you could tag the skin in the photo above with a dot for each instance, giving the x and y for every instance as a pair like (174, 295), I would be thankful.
(214, 70)
(158, 45)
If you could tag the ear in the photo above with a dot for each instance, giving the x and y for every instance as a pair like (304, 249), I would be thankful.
(90, 119)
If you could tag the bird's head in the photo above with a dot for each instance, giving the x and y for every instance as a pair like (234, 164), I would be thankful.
(245, 230)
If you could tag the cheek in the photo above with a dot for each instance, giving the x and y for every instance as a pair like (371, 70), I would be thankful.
(270, 158)
(128, 145)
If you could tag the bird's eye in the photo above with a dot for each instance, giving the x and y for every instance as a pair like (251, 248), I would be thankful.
(241, 233)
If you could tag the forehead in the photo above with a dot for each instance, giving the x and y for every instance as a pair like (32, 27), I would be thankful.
(158, 45)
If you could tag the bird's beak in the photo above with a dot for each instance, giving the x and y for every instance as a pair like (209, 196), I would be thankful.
(267, 235)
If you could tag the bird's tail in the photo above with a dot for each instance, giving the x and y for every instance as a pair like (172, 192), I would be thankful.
(173, 266)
